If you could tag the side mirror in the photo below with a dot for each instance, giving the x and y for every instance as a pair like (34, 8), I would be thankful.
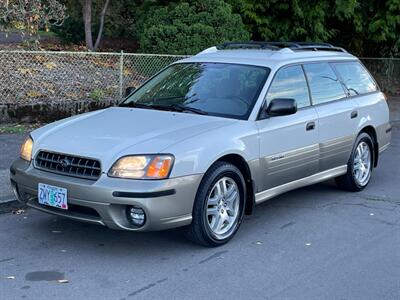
(281, 107)
(129, 90)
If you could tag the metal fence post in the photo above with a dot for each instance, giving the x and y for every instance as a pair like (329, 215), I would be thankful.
(121, 73)
(390, 73)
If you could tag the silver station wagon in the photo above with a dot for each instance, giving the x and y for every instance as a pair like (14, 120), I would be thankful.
(209, 137)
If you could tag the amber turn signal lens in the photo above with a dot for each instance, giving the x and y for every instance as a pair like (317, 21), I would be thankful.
(159, 167)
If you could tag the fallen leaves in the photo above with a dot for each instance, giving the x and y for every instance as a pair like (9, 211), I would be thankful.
(18, 128)
(50, 65)
(24, 71)
(33, 94)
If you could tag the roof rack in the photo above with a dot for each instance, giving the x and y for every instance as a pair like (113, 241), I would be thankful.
(295, 46)
(247, 45)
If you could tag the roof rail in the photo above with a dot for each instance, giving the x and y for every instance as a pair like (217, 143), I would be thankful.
(247, 45)
(319, 48)
(313, 44)
(295, 46)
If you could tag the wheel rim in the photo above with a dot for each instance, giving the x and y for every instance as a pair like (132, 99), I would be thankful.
(362, 164)
(223, 207)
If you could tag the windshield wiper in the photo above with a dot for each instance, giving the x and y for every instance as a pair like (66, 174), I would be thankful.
(147, 106)
(173, 107)
(134, 104)
(183, 108)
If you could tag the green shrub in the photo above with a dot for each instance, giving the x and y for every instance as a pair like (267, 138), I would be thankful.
(71, 31)
(97, 95)
(188, 27)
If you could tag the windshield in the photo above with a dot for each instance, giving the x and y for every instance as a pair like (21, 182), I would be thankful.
(219, 89)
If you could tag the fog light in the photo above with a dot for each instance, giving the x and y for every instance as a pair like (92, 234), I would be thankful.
(136, 215)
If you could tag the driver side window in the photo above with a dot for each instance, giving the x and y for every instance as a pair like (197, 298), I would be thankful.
(290, 82)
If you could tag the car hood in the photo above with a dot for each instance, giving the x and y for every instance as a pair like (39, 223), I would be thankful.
(114, 132)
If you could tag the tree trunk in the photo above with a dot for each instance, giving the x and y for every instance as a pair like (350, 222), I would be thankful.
(100, 33)
(87, 21)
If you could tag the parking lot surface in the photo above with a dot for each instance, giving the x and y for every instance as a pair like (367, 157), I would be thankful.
(313, 243)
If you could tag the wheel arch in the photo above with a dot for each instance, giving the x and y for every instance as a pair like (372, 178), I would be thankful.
(370, 130)
(239, 161)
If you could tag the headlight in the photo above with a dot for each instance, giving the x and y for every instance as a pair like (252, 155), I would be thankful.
(142, 167)
(26, 149)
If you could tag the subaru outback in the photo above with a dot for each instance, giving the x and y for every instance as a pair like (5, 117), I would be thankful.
(209, 137)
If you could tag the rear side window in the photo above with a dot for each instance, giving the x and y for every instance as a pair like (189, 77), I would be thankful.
(290, 82)
(324, 84)
(355, 78)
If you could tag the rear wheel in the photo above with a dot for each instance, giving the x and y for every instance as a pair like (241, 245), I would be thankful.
(360, 165)
(219, 206)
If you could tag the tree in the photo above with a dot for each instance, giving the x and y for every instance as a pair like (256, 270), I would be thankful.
(381, 27)
(119, 20)
(28, 16)
(72, 29)
(291, 20)
(188, 27)
(365, 27)
(87, 21)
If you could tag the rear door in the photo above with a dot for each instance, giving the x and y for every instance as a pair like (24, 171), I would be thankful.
(337, 115)
(288, 144)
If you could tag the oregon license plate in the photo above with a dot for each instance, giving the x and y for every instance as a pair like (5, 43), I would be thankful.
(52, 195)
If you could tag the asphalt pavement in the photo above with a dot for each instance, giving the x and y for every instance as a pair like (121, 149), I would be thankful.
(313, 243)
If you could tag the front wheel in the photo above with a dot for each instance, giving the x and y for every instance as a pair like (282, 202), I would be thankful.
(360, 165)
(219, 205)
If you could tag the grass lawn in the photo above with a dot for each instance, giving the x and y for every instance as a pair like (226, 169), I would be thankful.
(18, 128)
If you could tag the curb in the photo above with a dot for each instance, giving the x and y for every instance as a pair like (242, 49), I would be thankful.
(10, 205)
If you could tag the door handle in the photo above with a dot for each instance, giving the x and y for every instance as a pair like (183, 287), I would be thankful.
(354, 114)
(310, 126)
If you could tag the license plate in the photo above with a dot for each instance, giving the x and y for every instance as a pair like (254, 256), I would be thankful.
(52, 196)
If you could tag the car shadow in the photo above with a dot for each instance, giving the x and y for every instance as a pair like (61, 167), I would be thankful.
(89, 239)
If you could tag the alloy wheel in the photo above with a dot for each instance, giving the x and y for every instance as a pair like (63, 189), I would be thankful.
(223, 207)
(362, 164)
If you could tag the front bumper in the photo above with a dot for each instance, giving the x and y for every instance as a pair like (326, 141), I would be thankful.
(167, 203)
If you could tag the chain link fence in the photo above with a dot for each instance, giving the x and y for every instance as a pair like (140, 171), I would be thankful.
(387, 72)
(30, 77)
(37, 77)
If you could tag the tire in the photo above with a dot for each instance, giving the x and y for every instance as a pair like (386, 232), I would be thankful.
(352, 180)
(212, 217)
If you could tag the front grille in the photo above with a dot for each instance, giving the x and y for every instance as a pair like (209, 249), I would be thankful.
(69, 165)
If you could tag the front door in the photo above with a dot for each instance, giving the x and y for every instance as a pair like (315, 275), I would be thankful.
(289, 147)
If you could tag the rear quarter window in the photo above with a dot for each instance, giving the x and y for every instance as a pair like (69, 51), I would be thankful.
(355, 78)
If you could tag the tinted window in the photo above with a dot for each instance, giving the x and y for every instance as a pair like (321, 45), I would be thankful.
(290, 82)
(355, 78)
(324, 84)
(219, 89)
